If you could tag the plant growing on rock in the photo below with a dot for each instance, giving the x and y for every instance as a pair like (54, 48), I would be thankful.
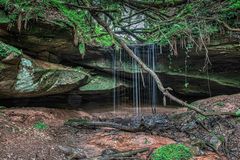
(172, 152)
(40, 126)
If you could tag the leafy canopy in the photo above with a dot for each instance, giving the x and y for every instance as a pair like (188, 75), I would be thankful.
(150, 21)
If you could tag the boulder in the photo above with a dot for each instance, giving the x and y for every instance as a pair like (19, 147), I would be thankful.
(22, 76)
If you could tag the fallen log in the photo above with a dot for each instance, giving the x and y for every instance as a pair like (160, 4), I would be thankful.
(98, 124)
(122, 155)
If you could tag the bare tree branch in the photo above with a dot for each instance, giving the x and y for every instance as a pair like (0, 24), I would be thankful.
(228, 27)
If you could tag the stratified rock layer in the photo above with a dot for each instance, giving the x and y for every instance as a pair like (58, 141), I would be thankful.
(21, 76)
(185, 73)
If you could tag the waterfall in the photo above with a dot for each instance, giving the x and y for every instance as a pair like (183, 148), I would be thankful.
(136, 83)
(114, 80)
(144, 89)
(151, 62)
(153, 67)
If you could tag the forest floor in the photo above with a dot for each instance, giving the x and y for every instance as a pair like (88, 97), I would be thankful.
(40, 134)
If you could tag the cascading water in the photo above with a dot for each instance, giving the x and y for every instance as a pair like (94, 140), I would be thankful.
(136, 83)
(115, 80)
(144, 90)
(152, 65)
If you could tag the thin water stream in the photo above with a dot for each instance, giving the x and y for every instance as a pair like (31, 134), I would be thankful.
(144, 90)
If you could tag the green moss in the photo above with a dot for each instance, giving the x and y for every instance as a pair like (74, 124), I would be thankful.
(238, 113)
(33, 79)
(231, 9)
(172, 152)
(172, 31)
(6, 50)
(99, 83)
(124, 66)
(221, 104)
(86, 30)
(27, 9)
(40, 126)
(200, 117)
(74, 18)
(2, 66)
(4, 18)
(25, 77)
(223, 79)
(3, 2)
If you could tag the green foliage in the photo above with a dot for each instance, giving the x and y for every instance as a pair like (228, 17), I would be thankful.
(74, 18)
(171, 30)
(6, 50)
(221, 104)
(82, 48)
(200, 117)
(235, 4)
(182, 22)
(191, 21)
(238, 113)
(231, 9)
(87, 30)
(3, 2)
(172, 152)
(40, 126)
(4, 18)
(28, 9)
(102, 37)
(221, 138)
(186, 85)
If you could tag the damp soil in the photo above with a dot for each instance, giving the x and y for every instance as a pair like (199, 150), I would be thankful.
(20, 140)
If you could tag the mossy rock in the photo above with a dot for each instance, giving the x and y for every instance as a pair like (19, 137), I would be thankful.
(172, 152)
(27, 77)
(102, 83)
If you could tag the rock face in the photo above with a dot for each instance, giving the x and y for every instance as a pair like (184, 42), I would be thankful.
(21, 76)
(100, 84)
(184, 73)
